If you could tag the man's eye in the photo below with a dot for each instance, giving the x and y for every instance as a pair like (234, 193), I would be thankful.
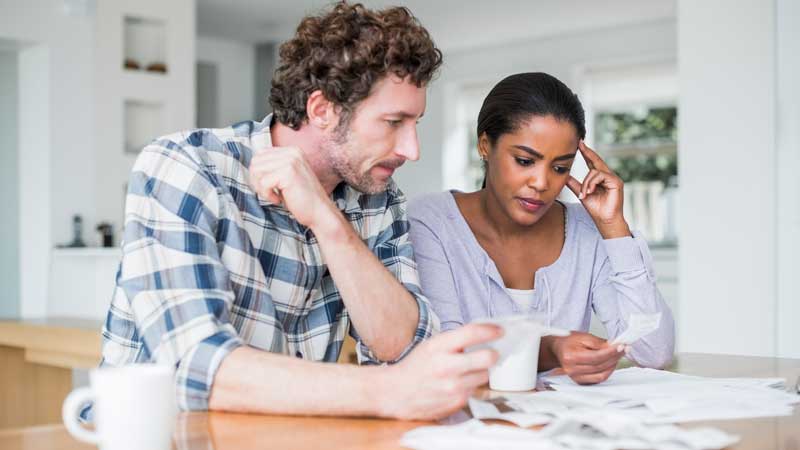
(524, 161)
(394, 123)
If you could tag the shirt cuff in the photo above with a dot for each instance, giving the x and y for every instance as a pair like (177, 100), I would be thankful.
(196, 371)
(625, 253)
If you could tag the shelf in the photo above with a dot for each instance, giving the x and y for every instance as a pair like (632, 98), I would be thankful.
(88, 252)
(144, 45)
(143, 122)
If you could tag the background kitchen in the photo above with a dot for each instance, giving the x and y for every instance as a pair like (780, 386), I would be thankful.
(695, 104)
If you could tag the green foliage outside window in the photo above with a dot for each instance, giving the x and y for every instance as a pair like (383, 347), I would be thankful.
(640, 145)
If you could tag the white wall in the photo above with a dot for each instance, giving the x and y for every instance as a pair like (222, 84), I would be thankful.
(56, 98)
(9, 186)
(727, 159)
(35, 177)
(563, 56)
(235, 63)
(64, 168)
(788, 185)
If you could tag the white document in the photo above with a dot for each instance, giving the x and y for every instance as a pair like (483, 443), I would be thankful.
(482, 409)
(476, 435)
(639, 326)
(579, 431)
(657, 396)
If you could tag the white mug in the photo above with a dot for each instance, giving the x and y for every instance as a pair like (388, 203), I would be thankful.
(518, 348)
(134, 407)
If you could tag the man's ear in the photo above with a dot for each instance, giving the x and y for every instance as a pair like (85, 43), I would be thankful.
(320, 110)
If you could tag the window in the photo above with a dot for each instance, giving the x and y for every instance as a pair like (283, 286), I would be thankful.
(632, 122)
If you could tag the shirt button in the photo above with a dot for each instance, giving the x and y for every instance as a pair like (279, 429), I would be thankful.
(299, 354)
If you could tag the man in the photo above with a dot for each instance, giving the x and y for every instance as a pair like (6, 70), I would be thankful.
(251, 251)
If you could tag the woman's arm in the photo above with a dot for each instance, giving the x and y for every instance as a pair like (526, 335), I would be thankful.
(625, 284)
(435, 272)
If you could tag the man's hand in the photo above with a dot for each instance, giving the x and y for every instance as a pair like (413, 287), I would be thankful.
(436, 378)
(282, 175)
(587, 359)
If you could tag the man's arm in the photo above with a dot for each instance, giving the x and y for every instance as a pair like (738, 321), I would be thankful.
(435, 380)
(385, 314)
(383, 311)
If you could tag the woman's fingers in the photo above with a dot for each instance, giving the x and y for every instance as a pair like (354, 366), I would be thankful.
(574, 185)
(593, 160)
(600, 179)
(592, 180)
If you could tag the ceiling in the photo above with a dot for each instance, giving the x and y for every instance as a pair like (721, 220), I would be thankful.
(454, 24)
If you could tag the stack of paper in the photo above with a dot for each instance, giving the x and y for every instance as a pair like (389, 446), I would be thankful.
(657, 396)
(578, 432)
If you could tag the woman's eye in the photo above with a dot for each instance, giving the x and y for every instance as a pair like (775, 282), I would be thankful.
(524, 161)
(561, 169)
(394, 123)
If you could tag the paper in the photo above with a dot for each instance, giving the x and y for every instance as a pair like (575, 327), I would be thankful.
(634, 409)
(474, 434)
(639, 326)
(584, 431)
(658, 396)
(498, 409)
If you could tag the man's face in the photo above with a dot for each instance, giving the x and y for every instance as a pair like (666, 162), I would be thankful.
(381, 136)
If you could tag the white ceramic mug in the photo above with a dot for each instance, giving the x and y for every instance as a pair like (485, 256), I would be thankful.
(517, 367)
(134, 408)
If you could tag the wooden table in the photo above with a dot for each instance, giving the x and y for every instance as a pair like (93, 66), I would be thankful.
(221, 431)
(37, 358)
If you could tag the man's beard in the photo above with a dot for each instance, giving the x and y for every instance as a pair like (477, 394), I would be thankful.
(340, 150)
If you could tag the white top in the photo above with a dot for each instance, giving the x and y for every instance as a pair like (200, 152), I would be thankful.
(524, 298)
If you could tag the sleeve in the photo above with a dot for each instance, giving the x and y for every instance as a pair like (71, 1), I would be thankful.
(171, 274)
(625, 284)
(395, 252)
(435, 273)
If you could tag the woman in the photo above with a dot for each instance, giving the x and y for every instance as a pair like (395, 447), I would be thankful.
(513, 248)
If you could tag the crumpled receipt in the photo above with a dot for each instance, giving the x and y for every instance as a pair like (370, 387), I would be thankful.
(639, 326)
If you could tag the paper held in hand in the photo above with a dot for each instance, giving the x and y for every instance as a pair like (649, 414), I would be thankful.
(639, 326)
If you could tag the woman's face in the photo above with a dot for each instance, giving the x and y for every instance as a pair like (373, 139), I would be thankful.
(528, 167)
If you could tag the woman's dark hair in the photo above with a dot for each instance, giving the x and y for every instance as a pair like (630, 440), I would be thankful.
(517, 98)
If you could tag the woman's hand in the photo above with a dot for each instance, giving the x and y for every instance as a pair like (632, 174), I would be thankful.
(586, 358)
(601, 195)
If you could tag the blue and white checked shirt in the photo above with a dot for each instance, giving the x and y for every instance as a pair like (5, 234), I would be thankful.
(207, 266)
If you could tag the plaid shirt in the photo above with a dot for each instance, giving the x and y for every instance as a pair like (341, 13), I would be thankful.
(207, 266)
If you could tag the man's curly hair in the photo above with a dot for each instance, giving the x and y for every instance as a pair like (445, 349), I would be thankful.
(343, 53)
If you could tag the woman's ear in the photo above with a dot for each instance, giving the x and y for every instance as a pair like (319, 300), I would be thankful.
(484, 146)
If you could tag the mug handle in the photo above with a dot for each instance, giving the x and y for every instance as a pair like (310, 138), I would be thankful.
(69, 413)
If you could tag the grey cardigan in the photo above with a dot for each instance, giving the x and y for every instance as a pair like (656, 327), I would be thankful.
(614, 277)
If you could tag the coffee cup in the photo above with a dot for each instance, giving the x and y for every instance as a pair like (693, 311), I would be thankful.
(134, 407)
(518, 349)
